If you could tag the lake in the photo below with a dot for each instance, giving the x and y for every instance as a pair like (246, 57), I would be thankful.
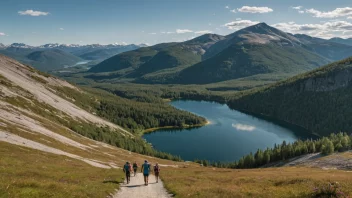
(229, 136)
(79, 63)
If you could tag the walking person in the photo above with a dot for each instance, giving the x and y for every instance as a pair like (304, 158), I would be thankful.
(156, 172)
(135, 167)
(127, 170)
(146, 170)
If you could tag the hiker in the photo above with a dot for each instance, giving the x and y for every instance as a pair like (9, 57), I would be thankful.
(145, 169)
(127, 169)
(135, 167)
(156, 172)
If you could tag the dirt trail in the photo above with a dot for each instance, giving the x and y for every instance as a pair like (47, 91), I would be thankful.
(136, 188)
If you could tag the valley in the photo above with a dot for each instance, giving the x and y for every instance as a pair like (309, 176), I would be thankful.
(236, 115)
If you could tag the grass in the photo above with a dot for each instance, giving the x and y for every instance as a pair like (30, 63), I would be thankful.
(270, 182)
(30, 173)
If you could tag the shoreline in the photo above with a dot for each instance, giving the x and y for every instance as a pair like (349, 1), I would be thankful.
(150, 130)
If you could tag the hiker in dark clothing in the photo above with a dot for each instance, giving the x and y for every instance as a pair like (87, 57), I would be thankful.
(135, 167)
(127, 169)
(156, 172)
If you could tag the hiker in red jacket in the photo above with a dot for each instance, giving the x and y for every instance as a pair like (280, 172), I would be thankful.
(156, 172)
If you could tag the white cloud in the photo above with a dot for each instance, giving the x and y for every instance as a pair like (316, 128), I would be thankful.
(239, 24)
(227, 7)
(33, 13)
(301, 11)
(243, 127)
(61, 28)
(182, 31)
(203, 32)
(166, 32)
(234, 10)
(153, 33)
(297, 7)
(324, 30)
(350, 17)
(255, 9)
(2, 34)
(338, 12)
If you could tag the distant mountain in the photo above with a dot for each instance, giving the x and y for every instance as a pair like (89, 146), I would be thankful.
(347, 41)
(260, 33)
(52, 59)
(103, 52)
(2, 46)
(158, 57)
(326, 48)
(319, 101)
(258, 49)
(66, 54)
(20, 45)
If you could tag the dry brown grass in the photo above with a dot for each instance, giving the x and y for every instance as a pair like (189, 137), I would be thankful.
(29, 173)
(270, 182)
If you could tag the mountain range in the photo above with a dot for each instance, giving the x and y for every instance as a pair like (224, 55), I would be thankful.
(210, 58)
(57, 56)
(347, 41)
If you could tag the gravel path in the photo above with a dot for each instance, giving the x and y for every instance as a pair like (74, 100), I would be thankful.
(136, 188)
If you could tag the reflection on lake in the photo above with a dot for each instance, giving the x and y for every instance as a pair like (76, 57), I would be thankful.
(230, 135)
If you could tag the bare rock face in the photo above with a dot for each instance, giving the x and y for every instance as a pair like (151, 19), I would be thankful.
(338, 80)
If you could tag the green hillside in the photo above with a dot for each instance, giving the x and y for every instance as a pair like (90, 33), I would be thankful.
(250, 59)
(103, 53)
(52, 59)
(318, 100)
(147, 60)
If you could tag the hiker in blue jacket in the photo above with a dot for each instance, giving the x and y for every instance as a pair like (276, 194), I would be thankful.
(146, 170)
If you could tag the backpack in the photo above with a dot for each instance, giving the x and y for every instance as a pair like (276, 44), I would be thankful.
(135, 165)
(127, 167)
(156, 169)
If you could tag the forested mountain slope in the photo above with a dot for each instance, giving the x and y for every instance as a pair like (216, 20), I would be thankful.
(52, 59)
(158, 57)
(318, 100)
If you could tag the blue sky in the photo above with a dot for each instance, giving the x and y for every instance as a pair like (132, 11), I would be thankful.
(37, 22)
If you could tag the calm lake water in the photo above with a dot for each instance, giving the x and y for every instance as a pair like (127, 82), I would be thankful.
(230, 135)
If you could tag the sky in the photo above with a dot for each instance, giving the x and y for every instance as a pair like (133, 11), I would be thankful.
(37, 22)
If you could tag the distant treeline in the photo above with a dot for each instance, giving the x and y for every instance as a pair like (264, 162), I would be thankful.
(134, 114)
(334, 143)
(116, 138)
